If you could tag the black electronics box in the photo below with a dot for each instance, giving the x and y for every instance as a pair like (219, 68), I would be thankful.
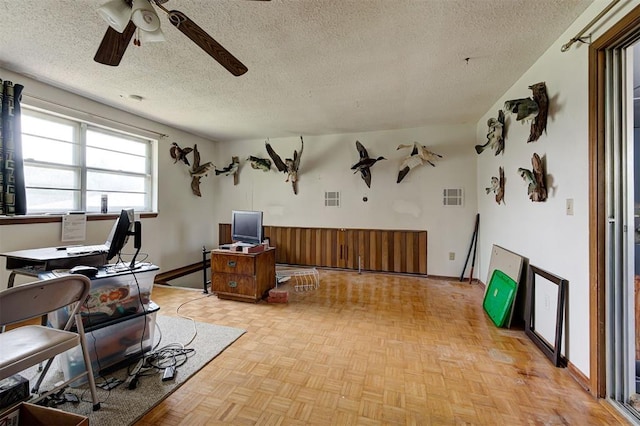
(13, 389)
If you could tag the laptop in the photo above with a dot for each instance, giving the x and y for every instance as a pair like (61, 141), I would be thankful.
(97, 248)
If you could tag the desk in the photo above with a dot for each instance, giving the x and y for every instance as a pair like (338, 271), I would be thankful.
(33, 262)
(118, 314)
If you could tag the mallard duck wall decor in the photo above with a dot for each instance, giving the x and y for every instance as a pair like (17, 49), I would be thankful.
(419, 155)
(198, 170)
(258, 163)
(364, 165)
(536, 179)
(495, 135)
(290, 166)
(497, 186)
(231, 169)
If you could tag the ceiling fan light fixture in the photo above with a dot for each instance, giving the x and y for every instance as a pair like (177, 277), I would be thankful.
(152, 36)
(116, 13)
(144, 15)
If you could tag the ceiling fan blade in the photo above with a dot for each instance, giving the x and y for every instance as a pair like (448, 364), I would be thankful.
(206, 43)
(113, 45)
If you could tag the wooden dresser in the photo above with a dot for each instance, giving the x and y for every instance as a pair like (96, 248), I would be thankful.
(243, 277)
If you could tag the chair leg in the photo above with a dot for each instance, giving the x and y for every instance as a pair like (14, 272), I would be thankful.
(43, 372)
(87, 363)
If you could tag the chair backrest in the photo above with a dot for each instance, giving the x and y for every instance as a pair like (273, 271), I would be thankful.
(37, 298)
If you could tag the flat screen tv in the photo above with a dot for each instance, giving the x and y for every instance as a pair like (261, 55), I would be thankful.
(246, 227)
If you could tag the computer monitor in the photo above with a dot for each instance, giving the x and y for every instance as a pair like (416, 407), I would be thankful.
(120, 232)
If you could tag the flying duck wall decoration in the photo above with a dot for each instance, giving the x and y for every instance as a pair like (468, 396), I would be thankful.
(198, 170)
(495, 135)
(534, 110)
(258, 163)
(290, 166)
(497, 186)
(536, 179)
(364, 165)
(419, 155)
(179, 154)
(231, 169)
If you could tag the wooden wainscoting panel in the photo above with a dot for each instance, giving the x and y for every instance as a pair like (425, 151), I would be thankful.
(409, 255)
(384, 247)
(401, 251)
(422, 252)
(374, 260)
(398, 251)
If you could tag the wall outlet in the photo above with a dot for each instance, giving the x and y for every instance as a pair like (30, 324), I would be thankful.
(452, 256)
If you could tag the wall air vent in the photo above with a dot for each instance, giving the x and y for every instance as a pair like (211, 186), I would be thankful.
(332, 199)
(452, 197)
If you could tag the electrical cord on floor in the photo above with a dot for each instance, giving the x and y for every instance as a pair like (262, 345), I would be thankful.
(167, 358)
(195, 329)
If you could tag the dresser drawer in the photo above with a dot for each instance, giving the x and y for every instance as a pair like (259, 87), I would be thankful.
(233, 264)
(234, 284)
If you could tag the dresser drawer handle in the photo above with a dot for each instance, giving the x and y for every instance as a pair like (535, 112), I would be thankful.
(231, 263)
(233, 284)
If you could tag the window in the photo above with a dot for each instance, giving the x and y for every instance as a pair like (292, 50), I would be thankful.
(69, 164)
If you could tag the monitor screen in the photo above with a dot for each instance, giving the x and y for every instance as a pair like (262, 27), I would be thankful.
(246, 226)
(120, 233)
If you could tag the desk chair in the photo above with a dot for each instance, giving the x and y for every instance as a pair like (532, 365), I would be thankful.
(28, 345)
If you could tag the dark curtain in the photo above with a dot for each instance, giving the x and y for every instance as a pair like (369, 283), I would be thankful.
(13, 198)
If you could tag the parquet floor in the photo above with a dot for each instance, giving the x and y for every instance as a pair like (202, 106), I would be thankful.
(371, 349)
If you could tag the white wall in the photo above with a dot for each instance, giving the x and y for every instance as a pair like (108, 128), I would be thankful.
(543, 232)
(184, 223)
(415, 203)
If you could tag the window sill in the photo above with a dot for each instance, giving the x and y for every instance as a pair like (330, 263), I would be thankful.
(52, 218)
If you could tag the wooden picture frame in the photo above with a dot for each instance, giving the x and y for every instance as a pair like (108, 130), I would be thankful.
(553, 352)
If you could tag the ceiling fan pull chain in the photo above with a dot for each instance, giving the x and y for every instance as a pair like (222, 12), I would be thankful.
(136, 39)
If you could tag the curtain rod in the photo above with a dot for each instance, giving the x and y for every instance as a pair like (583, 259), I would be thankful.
(94, 116)
(578, 37)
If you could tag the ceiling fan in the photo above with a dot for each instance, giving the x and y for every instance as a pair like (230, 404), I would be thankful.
(125, 16)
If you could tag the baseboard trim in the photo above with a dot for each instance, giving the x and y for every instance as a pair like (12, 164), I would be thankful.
(167, 276)
(579, 376)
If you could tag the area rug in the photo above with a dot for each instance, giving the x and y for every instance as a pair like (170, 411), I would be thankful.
(122, 406)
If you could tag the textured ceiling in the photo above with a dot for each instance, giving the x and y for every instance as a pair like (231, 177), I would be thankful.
(315, 66)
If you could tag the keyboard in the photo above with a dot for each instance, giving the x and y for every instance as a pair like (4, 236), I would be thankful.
(99, 248)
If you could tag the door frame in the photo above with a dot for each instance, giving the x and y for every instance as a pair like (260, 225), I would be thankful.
(615, 36)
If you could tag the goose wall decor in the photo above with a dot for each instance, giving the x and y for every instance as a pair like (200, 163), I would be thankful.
(419, 156)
